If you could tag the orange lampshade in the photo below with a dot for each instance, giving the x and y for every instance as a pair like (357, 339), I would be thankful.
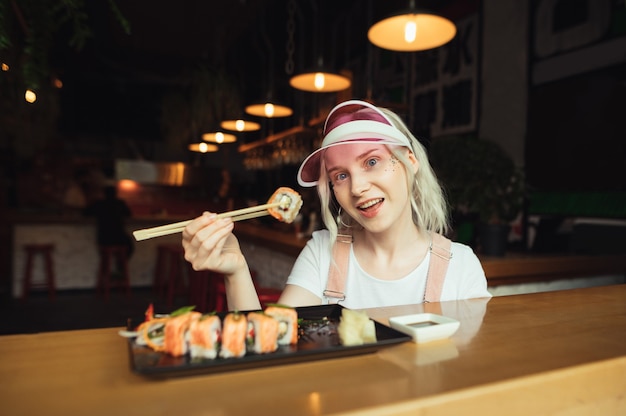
(219, 137)
(240, 125)
(203, 147)
(320, 81)
(413, 30)
(269, 110)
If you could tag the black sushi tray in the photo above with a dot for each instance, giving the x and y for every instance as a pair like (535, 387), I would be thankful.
(318, 340)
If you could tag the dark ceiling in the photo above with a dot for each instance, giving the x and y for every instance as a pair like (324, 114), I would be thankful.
(116, 83)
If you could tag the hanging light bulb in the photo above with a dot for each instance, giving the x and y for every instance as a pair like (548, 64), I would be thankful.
(319, 81)
(30, 96)
(412, 30)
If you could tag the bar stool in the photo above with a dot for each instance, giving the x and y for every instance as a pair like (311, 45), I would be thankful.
(113, 258)
(45, 250)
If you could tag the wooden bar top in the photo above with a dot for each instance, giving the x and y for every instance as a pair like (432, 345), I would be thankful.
(546, 353)
(523, 268)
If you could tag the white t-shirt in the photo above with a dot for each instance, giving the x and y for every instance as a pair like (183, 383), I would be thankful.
(465, 278)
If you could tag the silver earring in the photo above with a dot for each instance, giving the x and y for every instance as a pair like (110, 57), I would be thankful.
(340, 222)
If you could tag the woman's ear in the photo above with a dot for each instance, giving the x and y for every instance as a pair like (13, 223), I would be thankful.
(413, 161)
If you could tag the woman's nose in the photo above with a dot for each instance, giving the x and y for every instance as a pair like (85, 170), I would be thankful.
(359, 183)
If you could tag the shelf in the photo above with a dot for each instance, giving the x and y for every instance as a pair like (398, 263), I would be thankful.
(294, 131)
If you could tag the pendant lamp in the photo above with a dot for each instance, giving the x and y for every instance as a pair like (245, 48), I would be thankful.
(320, 79)
(240, 125)
(269, 109)
(412, 30)
(219, 137)
(203, 147)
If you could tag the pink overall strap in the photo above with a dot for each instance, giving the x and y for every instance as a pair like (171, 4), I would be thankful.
(439, 259)
(440, 256)
(338, 270)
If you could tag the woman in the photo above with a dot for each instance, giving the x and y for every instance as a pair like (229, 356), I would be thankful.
(375, 185)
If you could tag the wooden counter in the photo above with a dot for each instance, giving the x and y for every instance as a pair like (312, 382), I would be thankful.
(560, 352)
(515, 269)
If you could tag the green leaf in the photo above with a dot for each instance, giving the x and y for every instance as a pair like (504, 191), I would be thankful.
(183, 310)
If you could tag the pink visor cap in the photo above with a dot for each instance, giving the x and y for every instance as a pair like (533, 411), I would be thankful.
(351, 122)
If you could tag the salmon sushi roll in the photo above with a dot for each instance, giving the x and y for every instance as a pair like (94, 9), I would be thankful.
(290, 203)
(234, 329)
(152, 334)
(262, 333)
(287, 318)
(176, 333)
(204, 336)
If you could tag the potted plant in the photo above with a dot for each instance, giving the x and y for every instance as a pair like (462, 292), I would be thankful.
(482, 181)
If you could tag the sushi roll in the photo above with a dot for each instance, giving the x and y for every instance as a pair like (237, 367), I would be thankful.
(290, 204)
(287, 318)
(204, 336)
(262, 333)
(176, 329)
(234, 329)
(152, 334)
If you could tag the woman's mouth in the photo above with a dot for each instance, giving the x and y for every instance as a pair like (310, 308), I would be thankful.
(369, 204)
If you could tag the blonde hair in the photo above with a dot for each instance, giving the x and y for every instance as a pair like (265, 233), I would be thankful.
(428, 204)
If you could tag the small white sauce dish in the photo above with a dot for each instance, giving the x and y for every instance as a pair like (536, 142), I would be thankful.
(425, 327)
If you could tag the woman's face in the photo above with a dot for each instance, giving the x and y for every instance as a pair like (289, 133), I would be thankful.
(370, 184)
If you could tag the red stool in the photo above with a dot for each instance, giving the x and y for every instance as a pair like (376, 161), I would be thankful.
(268, 295)
(113, 256)
(217, 293)
(31, 252)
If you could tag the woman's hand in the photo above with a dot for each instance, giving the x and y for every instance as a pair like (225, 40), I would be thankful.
(210, 245)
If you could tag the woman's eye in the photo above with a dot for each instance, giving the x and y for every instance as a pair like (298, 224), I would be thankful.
(340, 177)
(371, 162)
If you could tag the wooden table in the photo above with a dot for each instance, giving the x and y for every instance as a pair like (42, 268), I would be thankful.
(546, 353)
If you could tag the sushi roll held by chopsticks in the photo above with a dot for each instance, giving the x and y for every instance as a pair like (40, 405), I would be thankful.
(283, 205)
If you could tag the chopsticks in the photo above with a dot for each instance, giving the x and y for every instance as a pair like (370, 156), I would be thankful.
(177, 227)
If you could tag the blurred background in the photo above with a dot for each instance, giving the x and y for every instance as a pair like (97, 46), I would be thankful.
(100, 92)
